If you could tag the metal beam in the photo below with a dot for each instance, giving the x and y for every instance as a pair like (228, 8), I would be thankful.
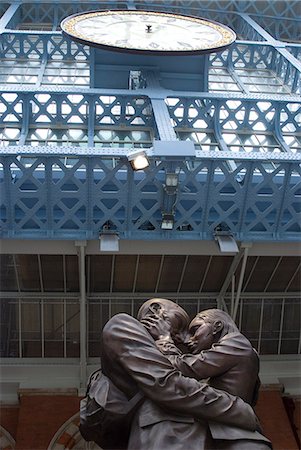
(231, 272)
(135, 247)
(182, 273)
(165, 129)
(81, 245)
(297, 271)
(149, 93)
(205, 274)
(240, 281)
(60, 296)
(50, 151)
(273, 273)
(261, 31)
(159, 273)
(8, 16)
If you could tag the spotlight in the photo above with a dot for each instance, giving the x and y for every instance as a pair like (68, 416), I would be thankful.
(109, 241)
(167, 221)
(172, 179)
(138, 160)
(171, 183)
(226, 242)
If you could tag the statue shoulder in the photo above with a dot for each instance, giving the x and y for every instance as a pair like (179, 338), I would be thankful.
(124, 326)
(120, 319)
(238, 342)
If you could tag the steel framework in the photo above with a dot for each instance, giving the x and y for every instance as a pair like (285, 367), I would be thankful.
(62, 181)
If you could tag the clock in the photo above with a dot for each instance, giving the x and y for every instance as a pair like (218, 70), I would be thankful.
(145, 32)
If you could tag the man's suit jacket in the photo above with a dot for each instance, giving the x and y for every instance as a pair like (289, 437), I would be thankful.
(176, 410)
(231, 365)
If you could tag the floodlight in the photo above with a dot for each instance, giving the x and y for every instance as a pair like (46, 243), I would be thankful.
(167, 221)
(109, 241)
(227, 243)
(138, 160)
(172, 179)
(171, 183)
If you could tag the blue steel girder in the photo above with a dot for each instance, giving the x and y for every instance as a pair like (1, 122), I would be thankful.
(236, 116)
(38, 44)
(282, 9)
(44, 48)
(254, 195)
(48, 197)
(53, 110)
(279, 19)
(24, 112)
(230, 14)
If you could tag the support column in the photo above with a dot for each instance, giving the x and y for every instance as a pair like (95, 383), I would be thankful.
(220, 299)
(83, 315)
(241, 277)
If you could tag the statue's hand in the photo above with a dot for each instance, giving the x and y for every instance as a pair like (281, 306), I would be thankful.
(158, 327)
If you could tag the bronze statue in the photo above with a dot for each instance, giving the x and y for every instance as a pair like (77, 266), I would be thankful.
(173, 411)
(219, 352)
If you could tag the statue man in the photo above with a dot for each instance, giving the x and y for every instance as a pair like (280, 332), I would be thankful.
(176, 409)
(219, 351)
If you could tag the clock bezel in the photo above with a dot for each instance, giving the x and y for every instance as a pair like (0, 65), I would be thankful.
(81, 40)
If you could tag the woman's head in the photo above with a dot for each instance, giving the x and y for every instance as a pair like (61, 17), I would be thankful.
(208, 327)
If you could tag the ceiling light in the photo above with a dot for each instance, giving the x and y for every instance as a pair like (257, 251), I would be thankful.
(138, 160)
(171, 183)
(227, 243)
(109, 242)
(167, 221)
(172, 179)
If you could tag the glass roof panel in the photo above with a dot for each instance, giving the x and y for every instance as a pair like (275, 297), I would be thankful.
(281, 279)
(99, 273)
(194, 273)
(291, 326)
(52, 272)
(295, 283)
(216, 273)
(261, 274)
(72, 274)
(148, 270)
(8, 280)
(250, 321)
(171, 272)
(28, 272)
(124, 273)
(271, 332)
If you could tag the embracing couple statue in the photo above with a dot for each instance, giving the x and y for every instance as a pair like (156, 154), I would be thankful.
(170, 384)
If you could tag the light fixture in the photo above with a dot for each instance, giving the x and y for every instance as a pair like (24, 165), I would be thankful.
(171, 183)
(226, 242)
(138, 159)
(167, 221)
(172, 179)
(109, 241)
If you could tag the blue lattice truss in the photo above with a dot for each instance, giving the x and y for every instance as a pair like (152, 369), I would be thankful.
(57, 186)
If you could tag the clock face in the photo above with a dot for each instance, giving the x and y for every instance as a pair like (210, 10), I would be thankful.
(148, 32)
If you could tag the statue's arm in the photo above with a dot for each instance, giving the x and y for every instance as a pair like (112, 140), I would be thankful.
(206, 364)
(127, 342)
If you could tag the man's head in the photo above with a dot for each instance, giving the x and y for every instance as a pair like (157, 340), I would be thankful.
(208, 327)
(161, 308)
